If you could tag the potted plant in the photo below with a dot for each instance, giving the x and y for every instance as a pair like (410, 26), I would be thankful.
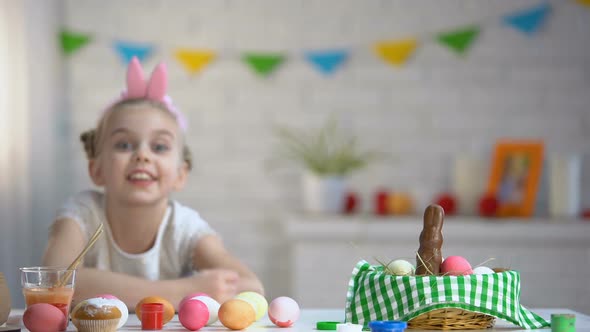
(328, 155)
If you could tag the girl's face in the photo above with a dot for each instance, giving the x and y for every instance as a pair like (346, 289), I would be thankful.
(140, 159)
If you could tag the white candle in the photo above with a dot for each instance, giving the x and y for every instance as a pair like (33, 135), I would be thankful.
(564, 185)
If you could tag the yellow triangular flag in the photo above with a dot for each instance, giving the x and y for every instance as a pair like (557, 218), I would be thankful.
(396, 52)
(584, 2)
(194, 60)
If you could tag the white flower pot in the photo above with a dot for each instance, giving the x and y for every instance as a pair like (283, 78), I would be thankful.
(323, 194)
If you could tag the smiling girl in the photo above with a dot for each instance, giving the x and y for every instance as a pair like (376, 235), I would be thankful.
(152, 245)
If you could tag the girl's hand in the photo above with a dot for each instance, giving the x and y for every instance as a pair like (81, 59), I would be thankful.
(220, 284)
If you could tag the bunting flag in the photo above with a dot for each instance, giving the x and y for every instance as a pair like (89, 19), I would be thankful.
(529, 21)
(396, 52)
(263, 63)
(459, 40)
(194, 60)
(127, 50)
(71, 41)
(327, 61)
(393, 52)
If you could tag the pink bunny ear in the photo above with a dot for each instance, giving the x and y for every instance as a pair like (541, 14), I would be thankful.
(136, 85)
(158, 83)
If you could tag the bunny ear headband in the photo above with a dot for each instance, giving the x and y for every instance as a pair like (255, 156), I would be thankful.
(154, 89)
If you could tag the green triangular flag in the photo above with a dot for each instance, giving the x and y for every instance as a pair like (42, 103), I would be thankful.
(459, 40)
(71, 41)
(263, 64)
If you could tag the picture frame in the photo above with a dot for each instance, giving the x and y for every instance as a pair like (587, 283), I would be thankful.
(515, 176)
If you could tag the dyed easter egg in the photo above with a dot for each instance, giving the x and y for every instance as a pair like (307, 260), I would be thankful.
(168, 307)
(401, 267)
(43, 317)
(193, 314)
(455, 266)
(483, 270)
(212, 306)
(283, 311)
(189, 297)
(257, 301)
(236, 314)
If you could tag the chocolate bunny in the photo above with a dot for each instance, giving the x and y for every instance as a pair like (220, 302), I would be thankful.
(429, 255)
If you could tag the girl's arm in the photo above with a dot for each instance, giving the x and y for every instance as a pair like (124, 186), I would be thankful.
(211, 254)
(67, 240)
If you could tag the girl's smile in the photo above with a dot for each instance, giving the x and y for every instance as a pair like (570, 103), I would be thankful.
(141, 178)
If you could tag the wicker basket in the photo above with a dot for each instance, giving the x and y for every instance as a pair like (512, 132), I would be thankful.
(451, 319)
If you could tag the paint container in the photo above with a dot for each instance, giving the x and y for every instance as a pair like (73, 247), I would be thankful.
(387, 326)
(563, 323)
(348, 327)
(152, 316)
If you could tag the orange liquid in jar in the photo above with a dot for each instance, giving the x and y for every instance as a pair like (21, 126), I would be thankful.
(60, 297)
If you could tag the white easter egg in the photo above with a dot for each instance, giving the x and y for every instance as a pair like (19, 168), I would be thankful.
(283, 311)
(212, 305)
(483, 270)
(401, 267)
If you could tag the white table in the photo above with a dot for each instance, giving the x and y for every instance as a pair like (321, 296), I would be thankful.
(309, 317)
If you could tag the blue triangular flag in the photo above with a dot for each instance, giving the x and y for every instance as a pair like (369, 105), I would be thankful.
(127, 50)
(327, 61)
(530, 20)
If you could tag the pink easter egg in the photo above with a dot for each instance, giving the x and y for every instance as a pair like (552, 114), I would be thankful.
(193, 314)
(189, 297)
(283, 311)
(455, 266)
(107, 296)
(44, 317)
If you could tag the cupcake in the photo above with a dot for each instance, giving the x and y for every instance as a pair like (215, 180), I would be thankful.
(96, 315)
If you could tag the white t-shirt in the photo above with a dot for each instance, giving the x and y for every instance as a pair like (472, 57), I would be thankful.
(169, 258)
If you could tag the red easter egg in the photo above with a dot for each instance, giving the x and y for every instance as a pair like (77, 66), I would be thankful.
(448, 202)
(193, 314)
(586, 214)
(455, 266)
(488, 205)
(43, 317)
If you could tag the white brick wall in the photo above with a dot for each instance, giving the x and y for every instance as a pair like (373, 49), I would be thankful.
(424, 114)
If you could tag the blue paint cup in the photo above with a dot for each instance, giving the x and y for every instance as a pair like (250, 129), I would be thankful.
(387, 326)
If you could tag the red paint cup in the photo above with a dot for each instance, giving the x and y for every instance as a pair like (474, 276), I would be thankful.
(152, 316)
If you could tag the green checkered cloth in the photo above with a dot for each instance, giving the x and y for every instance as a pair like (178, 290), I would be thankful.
(375, 295)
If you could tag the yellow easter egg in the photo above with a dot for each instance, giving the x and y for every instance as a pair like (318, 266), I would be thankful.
(400, 204)
(257, 301)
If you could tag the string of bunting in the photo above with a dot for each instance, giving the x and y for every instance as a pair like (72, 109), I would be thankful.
(393, 52)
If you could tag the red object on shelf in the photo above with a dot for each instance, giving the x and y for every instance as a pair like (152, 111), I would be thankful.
(488, 205)
(586, 214)
(351, 202)
(381, 202)
(448, 202)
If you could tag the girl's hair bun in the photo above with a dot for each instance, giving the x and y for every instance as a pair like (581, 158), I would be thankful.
(87, 139)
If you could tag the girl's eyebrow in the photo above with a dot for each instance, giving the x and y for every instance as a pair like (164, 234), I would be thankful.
(120, 130)
(164, 132)
(160, 132)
